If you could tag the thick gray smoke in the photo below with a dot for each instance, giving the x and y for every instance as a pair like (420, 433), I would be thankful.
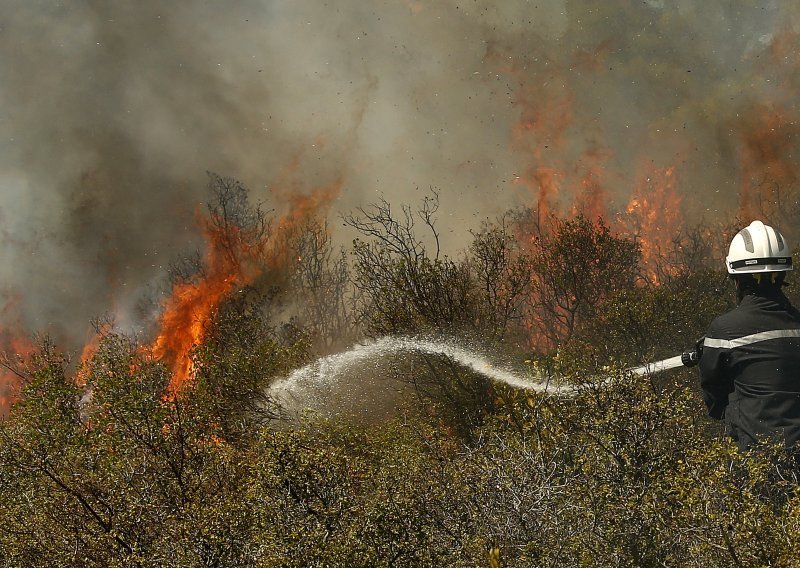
(111, 112)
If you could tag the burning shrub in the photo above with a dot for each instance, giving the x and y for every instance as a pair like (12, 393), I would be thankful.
(117, 466)
(119, 472)
(577, 266)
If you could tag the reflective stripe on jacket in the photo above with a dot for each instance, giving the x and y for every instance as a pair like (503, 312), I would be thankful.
(750, 370)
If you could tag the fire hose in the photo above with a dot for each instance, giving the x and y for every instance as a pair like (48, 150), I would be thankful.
(688, 358)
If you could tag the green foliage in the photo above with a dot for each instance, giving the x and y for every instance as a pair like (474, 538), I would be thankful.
(234, 365)
(358, 498)
(620, 474)
(647, 323)
(503, 277)
(106, 467)
(120, 475)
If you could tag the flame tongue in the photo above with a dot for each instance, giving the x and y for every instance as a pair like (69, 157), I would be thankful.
(14, 347)
(767, 164)
(229, 263)
(234, 257)
(654, 210)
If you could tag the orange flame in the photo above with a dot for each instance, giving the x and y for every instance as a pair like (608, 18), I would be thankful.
(414, 6)
(538, 134)
(191, 304)
(654, 215)
(300, 207)
(590, 201)
(89, 350)
(232, 260)
(768, 166)
(541, 136)
(570, 176)
(15, 346)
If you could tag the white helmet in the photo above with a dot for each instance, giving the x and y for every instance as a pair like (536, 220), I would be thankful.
(758, 248)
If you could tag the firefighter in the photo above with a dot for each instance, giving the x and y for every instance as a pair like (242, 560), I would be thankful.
(750, 363)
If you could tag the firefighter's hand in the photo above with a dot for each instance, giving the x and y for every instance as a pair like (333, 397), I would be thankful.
(692, 357)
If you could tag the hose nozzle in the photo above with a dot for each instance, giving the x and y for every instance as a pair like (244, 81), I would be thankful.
(692, 357)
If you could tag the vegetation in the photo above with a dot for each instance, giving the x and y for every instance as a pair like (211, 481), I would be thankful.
(101, 464)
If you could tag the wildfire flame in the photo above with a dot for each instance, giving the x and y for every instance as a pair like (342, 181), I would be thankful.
(15, 347)
(768, 167)
(191, 304)
(87, 353)
(233, 259)
(654, 215)
(570, 176)
(591, 200)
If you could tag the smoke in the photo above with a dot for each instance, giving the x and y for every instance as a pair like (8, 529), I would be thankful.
(112, 112)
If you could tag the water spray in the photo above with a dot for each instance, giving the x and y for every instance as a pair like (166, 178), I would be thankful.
(331, 367)
(306, 384)
(311, 385)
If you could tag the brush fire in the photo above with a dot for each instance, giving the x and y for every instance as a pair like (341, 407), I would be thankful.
(407, 282)
(571, 136)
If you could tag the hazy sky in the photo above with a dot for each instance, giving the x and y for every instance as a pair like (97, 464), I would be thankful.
(111, 112)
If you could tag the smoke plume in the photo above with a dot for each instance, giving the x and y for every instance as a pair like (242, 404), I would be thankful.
(112, 112)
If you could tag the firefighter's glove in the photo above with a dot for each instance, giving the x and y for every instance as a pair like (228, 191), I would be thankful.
(692, 357)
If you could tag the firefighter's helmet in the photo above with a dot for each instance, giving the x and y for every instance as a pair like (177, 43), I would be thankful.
(758, 248)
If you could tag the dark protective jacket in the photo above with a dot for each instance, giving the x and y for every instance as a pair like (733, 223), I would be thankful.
(750, 370)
